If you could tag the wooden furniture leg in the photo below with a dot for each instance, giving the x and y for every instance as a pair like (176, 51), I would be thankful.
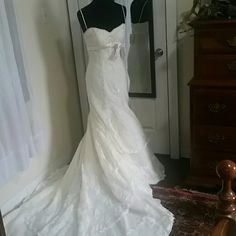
(226, 208)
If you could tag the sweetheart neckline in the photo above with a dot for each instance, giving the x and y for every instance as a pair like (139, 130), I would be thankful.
(109, 32)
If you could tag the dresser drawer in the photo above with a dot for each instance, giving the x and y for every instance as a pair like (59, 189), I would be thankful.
(214, 138)
(216, 41)
(213, 107)
(209, 66)
(204, 163)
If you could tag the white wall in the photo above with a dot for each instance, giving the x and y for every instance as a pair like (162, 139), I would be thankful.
(48, 54)
(185, 74)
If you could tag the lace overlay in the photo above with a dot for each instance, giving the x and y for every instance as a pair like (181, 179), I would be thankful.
(105, 190)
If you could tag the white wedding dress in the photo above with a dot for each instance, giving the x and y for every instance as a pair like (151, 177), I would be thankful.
(105, 191)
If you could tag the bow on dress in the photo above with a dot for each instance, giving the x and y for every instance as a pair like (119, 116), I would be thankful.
(116, 46)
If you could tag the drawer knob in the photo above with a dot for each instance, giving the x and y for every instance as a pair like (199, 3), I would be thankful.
(232, 42)
(216, 107)
(215, 139)
(232, 66)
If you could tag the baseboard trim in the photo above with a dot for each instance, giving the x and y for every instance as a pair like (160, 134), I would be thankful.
(186, 153)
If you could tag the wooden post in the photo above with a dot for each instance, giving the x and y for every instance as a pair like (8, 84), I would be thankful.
(226, 208)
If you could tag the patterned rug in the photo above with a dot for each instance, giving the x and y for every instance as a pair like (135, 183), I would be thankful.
(194, 211)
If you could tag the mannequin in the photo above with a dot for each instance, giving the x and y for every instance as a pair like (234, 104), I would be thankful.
(103, 14)
(141, 11)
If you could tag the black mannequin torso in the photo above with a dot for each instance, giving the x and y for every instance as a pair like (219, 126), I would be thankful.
(141, 9)
(103, 14)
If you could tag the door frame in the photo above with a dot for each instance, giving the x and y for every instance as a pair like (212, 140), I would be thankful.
(171, 55)
(171, 36)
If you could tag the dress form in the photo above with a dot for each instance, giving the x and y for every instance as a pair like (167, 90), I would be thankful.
(103, 14)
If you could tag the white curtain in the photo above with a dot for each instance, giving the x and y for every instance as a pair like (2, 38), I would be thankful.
(19, 135)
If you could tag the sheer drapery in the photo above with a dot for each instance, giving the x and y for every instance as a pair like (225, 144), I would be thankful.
(19, 137)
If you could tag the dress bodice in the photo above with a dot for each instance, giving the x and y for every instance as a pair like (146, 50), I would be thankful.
(106, 78)
(97, 39)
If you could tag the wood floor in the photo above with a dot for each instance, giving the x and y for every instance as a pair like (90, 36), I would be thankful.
(176, 170)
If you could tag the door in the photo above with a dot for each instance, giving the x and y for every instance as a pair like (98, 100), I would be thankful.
(152, 112)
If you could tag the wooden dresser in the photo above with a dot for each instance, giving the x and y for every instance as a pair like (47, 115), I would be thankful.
(212, 99)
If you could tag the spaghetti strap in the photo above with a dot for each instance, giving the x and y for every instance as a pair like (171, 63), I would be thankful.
(83, 19)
